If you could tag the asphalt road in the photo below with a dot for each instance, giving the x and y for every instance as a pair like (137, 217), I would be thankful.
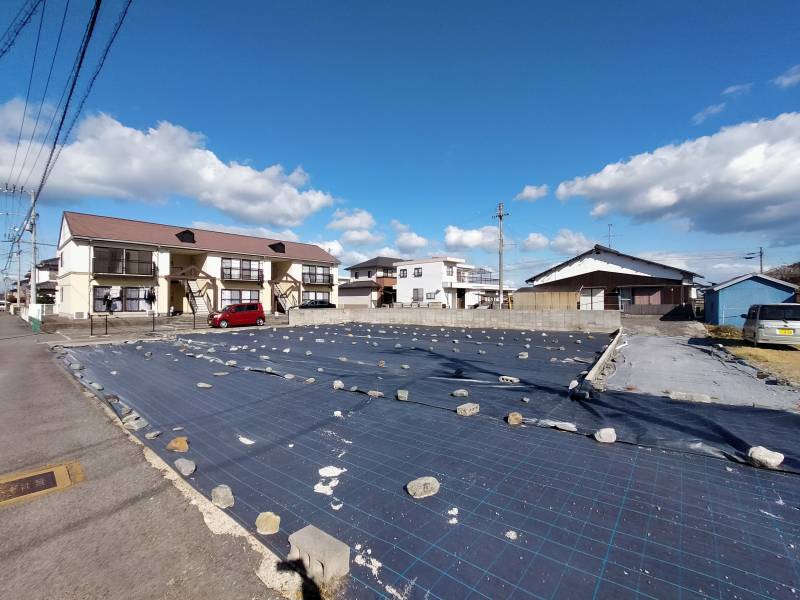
(124, 532)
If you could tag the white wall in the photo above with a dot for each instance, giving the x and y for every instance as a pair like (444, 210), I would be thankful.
(606, 261)
(433, 274)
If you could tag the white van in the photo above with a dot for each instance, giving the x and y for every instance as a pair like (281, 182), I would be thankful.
(772, 324)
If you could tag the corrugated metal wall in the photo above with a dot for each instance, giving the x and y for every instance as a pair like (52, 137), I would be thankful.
(524, 300)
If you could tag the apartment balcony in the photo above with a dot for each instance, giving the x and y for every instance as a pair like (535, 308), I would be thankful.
(317, 279)
(483, 278)
(230, 274)
(128, 267)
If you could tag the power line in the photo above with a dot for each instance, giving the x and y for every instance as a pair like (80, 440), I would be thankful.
(28, 91)
(41, 103)
(18, 23)
(76, 73)
(98, 68)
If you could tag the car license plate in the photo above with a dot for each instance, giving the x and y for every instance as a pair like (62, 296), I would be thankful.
(785, 331)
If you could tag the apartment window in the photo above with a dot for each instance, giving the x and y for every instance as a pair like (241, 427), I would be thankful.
(122, 262)
(326, 296)
(238, 296)
(449, 270)
(430, 296)
(403, 273)
(417, 295)
(136, 299)
(369, 273)
(318, 274)
(108, 260)
(138, 262)
(241, 269)
(417, 271)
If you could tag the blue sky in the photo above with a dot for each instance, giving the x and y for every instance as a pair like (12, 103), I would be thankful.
(407, 119)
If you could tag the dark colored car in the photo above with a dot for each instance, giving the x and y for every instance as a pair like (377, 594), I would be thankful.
(317, 304)
(250, 313)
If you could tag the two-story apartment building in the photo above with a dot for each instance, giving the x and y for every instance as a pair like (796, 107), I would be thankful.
(444, 280)
(107, 264)
(371, 285)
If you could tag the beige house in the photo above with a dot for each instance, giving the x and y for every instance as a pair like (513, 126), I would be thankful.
(140, 268)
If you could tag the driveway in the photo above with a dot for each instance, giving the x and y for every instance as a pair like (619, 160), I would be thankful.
(652, 361)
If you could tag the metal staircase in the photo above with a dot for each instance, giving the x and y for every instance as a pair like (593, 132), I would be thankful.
(197, 301)
(281, 297)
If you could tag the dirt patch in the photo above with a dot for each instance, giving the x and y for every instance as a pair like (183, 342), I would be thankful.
(781, 361)
(659, 326)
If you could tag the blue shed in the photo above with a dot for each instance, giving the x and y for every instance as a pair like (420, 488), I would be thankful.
(727, 301)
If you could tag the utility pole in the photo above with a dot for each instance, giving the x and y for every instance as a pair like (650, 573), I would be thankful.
(32, 224)
(761, 259)
(610, 235)
(19, 276)
(499, 216)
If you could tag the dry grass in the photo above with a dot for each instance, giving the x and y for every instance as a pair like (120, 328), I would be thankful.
(781, 361)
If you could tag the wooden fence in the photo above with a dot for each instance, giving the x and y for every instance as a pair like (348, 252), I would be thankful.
(545, 300)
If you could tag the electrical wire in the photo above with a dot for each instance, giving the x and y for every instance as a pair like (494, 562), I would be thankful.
(18, 23)
(73, 84)
(96, 73)
(44, 96)
(28, 91)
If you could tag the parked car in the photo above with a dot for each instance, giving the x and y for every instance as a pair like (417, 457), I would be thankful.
(238, 314)
(316, 304)
(772, 324)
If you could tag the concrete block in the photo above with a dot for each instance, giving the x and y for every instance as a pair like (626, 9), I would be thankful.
(324, 557)
(468, 409)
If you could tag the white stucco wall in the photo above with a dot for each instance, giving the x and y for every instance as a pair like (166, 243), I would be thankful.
(606, 261)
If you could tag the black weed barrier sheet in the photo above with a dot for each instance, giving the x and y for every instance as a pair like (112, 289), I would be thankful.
(523, 512)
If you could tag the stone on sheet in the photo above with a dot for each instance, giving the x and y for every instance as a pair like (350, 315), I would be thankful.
(606, 435)
(459, 393)
(375, 394)
(204, 385)
(573, 384)
(136, 424)
(179, 444)
(288, 376)
(468, 409)
(522, 355)
(185, 466)
(401, 395)
(561, 425)
(404, 367)
(222, 496)
(689, 397)
(338, 384)
(268, 523)
(151, 435)
(422, 487)
(762, 457)
(508, 379)
(514, 418)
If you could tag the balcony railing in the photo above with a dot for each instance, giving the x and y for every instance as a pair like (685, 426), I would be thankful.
(128, 267)
(478, 278)
(243, 274)
(318, 278)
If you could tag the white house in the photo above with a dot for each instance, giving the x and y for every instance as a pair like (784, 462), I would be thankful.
(606, 279)
(444, 280)
(136, 267)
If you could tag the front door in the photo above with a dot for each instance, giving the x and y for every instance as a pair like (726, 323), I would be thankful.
(461, 295)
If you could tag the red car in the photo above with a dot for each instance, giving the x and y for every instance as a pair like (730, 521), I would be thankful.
(238, 314)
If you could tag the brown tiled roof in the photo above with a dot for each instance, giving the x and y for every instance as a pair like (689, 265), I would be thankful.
(113, 229)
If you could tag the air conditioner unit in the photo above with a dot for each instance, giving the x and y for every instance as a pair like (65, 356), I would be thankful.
(79, 315)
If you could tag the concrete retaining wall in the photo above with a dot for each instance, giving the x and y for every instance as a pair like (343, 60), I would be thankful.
(567, 320)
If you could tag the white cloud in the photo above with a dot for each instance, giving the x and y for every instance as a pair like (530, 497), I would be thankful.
(457, 238)
(743, 178)
(788, 79)
(356, 219)
(531, 193)
(361, 237)
(570, 242)
(286, 235)
(708, 111)
(738, 89)
(535, 241)
(387, 251)
(407, 241)
(347, 257)
(110, 160)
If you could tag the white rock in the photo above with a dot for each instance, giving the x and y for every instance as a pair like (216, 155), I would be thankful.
(338, 384)
(761, 457)
(606, 435)
(459, 393)
(222, 496)
(185, 466)
(423, 487)
(573, 384)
